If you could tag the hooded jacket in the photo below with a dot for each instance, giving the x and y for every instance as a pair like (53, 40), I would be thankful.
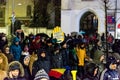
(15, 65)
(16, 49)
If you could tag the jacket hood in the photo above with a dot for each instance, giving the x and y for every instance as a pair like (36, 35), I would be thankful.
(16, 65)
(16, 39)
(4, 64)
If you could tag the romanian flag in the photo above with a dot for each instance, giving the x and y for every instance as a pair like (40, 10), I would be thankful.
(57, 73)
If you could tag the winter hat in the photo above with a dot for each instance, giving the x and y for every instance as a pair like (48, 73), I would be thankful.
(41, 74)
(14, 67)
(111, 60)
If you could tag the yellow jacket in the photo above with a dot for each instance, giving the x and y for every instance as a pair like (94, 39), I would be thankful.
(81, 53)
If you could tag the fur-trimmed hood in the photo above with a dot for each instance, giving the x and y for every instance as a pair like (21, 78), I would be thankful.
(4, 64)
(16, 64)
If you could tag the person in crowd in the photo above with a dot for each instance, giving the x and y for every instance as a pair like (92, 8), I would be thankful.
(110, 40)
(91, 70)
(35, 45)
(15, 49)
(73, 59)
(3, 66)
(15, 71)
(111, 72)
(6, 51)
(49, 46)
(56, 57)
(103, 40)
(20, 34)
(43, 62)
(33, 58)
(99, 59)
(116, 46)
(96, 47)
(25, 59)
(41, 75)
(65, 53)
(3, 41)
(25, 50)
(81, 54)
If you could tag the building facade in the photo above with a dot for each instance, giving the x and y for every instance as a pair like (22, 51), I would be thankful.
(14, 10)
(89, 15)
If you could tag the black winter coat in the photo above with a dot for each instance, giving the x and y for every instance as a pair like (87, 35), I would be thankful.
(56, 60)
(41, 63)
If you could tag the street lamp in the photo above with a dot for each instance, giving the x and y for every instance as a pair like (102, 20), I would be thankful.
(105, 8)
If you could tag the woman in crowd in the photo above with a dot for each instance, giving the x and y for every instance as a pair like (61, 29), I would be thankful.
(15, 71)
(25, 59)
(7, 53)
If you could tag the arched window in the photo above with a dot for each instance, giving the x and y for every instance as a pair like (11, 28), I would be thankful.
(88, 22)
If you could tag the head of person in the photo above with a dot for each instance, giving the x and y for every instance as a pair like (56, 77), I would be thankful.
(6, 49)
(25, 59)
(16, 40)
(26, 48)
(15, 69)
(81, 45)
(111, 63)
(41, 75)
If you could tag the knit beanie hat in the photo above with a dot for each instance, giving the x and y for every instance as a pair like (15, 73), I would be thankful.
(41, 74)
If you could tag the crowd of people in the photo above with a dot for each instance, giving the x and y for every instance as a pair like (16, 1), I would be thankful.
(33, 57)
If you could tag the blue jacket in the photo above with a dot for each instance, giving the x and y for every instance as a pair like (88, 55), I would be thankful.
(111, 75)
(16, 49)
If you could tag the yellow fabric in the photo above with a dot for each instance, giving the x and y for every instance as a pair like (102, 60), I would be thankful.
(81, 53)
